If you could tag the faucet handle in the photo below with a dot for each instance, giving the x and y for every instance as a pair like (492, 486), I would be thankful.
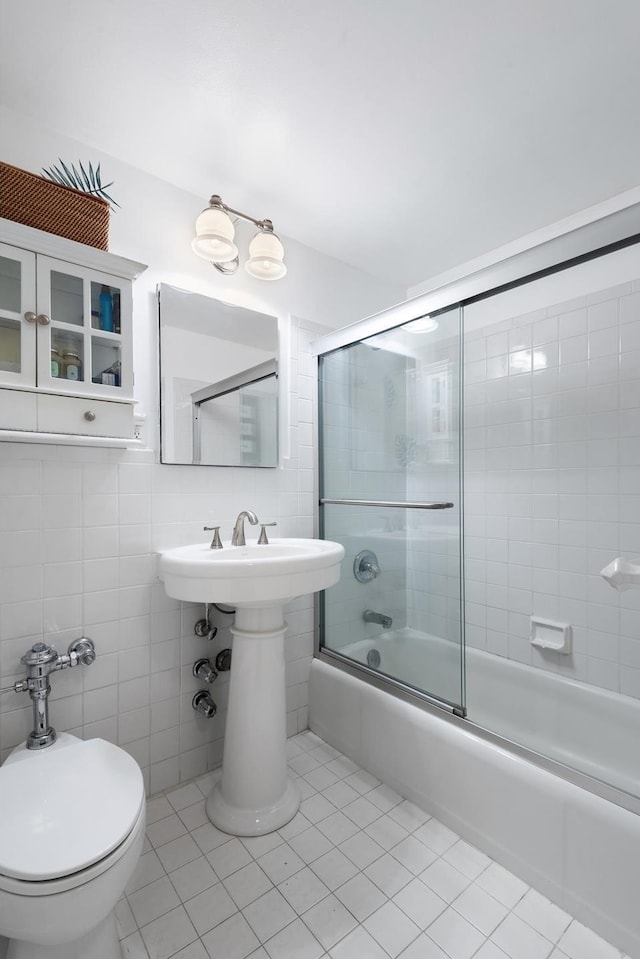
(84, 651)
(262, 538)
(216, 542)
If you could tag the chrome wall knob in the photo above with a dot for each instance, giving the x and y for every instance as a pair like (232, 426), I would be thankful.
(202, 669)
(89, 416)
(30, 316)
(365, 566)
(223, 660)
(43, 319)
(203, 703)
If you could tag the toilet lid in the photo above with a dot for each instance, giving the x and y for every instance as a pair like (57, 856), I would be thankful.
(62, 810)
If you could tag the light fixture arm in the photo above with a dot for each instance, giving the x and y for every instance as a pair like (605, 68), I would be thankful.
(217, 203)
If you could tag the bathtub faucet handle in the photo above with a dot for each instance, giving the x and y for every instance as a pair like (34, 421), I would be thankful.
(366, 566)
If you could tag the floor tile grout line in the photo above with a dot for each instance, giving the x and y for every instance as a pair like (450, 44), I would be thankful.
(388, 898)
(308, 743)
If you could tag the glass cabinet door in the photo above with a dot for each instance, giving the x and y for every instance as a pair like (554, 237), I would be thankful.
(17, 317)
(80, 342)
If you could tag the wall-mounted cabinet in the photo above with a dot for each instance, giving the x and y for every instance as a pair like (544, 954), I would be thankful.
(66, 363)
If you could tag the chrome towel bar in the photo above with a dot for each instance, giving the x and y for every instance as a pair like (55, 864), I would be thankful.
(394, 505)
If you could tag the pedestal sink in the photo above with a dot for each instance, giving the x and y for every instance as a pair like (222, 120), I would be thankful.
(255, 795)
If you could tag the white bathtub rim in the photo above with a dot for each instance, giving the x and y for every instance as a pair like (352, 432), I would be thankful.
(607, 695)
(443, 711)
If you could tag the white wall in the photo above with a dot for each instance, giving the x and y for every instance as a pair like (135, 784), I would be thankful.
(155, 225)
(79, 528)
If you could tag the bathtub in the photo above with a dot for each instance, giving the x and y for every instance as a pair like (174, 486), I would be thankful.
(590, 729)
(578, 846)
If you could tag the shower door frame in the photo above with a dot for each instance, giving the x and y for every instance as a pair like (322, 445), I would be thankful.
(603, 229)
(610, 228)
(369, 674)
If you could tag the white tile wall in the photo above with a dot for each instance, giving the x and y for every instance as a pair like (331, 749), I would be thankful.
(552, 477)
(79, 529)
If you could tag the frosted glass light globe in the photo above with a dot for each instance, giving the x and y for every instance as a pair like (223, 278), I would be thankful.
(266, 257)
(214, 236)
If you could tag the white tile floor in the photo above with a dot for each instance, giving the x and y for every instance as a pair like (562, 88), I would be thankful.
(359, 873)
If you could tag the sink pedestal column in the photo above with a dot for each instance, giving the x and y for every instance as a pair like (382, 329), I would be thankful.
(255, 794)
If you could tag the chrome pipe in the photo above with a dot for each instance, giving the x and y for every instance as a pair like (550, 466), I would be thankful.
(217, 203)
(42, 733)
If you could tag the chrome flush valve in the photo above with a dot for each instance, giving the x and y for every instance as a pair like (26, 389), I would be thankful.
(41, 660)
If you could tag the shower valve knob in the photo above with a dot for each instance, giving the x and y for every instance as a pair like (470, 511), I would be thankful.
(365, 566)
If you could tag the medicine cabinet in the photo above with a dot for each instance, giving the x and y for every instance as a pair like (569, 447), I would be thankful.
(66, 366)
(220, 382)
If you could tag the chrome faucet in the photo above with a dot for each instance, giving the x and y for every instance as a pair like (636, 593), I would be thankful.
(370, 616)
(238, 530)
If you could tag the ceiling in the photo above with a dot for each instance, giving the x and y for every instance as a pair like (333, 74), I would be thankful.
(400, 137)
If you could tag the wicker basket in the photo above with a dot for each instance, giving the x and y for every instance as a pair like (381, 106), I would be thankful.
(34, 201)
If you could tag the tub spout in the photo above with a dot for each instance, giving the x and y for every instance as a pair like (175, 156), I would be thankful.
(370, 616)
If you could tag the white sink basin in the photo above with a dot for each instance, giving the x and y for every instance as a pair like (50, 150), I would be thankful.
(255, 794)
(252, 575)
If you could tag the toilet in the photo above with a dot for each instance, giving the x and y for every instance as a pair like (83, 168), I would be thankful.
(72, 819)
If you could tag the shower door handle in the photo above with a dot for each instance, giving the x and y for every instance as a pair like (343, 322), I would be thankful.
(393, 505)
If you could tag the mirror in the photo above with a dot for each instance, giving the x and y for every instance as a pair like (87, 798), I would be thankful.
(218, 382)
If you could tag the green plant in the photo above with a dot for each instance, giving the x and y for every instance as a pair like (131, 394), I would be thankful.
(80, 180)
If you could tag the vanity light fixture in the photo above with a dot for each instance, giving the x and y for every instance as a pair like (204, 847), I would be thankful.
(214, 241)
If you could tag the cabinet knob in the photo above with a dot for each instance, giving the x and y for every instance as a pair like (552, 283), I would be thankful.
(30, 316)
(90, 416)
(43, 319)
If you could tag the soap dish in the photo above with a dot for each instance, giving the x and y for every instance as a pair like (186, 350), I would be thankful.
(547, 634)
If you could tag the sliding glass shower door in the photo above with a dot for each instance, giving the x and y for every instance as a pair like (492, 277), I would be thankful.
(391, 494)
